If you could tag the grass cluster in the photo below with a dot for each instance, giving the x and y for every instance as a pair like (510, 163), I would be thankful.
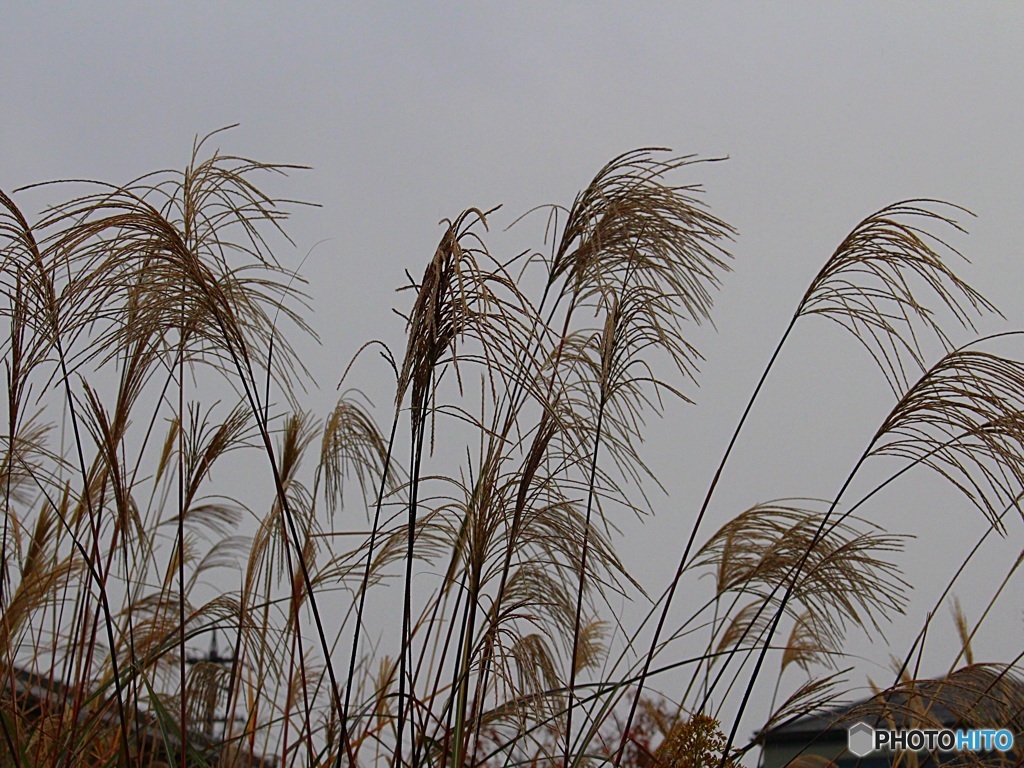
(437, 591)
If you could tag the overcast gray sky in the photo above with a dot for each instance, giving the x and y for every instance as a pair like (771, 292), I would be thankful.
(409, 113)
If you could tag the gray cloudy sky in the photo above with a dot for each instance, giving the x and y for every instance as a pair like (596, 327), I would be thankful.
(410, 113)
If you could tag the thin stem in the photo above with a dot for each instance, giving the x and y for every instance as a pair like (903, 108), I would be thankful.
(693, 536)
(418, 433)
(791, 586)
(353, 659)
(583, 573)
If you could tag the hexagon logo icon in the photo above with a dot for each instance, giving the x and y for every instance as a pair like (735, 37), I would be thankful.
(860, 739)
